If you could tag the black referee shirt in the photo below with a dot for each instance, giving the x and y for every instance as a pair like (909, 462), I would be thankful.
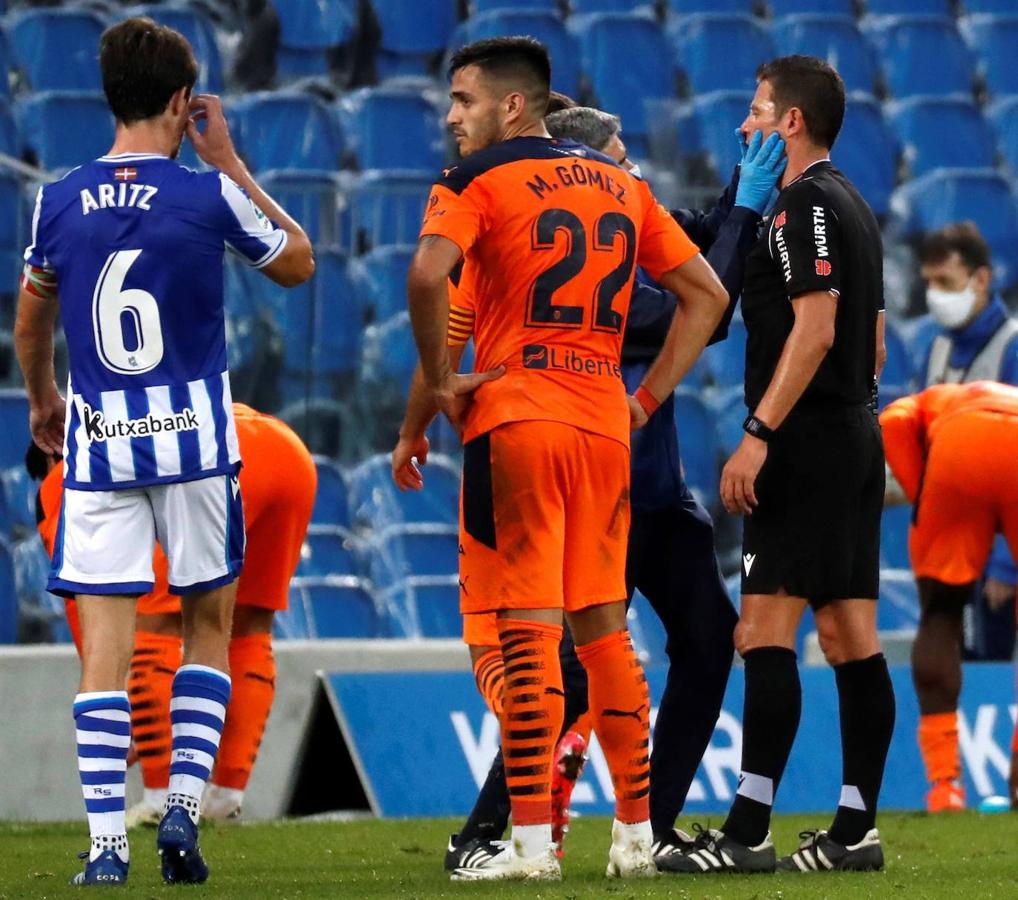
(822, 237)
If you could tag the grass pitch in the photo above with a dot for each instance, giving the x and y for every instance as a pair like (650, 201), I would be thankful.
(957, 856)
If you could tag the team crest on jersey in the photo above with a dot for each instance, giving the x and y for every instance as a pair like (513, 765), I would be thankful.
(823, 267)
(780, 219)
(97, 429)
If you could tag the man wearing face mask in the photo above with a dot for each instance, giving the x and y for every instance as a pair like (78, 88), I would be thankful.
(979, 343)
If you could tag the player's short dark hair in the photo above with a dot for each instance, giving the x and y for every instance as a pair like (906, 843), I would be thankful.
(557, 101)
(144, 64)
(962, 238)
(522, 62)
(37, 461)
(583, 124)
(812, 85)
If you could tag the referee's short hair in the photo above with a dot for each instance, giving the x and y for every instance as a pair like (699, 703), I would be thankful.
(812, 85)
(519, 61)
(962, 238)
(583, 124)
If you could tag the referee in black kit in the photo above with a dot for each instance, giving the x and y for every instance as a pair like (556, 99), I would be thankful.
(809, 479)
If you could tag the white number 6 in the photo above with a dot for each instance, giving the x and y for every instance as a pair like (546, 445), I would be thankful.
(110, 303)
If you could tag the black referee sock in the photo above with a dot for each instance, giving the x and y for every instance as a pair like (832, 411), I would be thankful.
(770, 719)
(490, 816)
(866, 699)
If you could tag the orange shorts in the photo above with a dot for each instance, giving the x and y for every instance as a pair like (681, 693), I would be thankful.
(544, 519)
(969, 493)
(481, 630)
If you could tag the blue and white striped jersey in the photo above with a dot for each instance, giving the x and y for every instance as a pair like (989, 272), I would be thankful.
(136, 242)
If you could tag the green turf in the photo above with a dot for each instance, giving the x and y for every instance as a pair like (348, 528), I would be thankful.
(962, 855)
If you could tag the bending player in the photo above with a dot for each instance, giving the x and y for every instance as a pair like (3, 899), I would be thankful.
(132, 244)
(546, 471)
(954, 450)
(278, 485)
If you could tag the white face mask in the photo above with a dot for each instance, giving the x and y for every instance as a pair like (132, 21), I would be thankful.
(635, 171)
(951, 309)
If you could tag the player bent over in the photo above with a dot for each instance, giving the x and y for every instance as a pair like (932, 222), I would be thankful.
(133, 245)
(553, 232)
(278, 486)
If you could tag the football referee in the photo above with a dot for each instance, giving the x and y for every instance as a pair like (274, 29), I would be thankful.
(809, 479)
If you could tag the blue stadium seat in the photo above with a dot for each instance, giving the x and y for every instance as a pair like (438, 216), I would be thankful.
(907, 44)
(432, 603)
(6, 64)
(894, 536)
(708, 129)
(411, 40)
(546, 27)
(64, 129)
(648, 634)
(919, 334)
(867, 152)
(1003, 7)
(399, 551)
(329, 550)
(480, 7)
(698, 446)
(686, 7)
(831, 8)
(731, 413)
(982, 195)
(57, 49)
(393, 128)
(310, 197)
(309, 31)
(834, 38)
(593, 7)
(995, 39)
(943, 132)
(898, 608)
(898, 369)
(14, 231)
(31, 572)
(908, 7)
(197, 27)
(341, 606)
(241, 316)
(294, 623)
(625, 56)
(390, 356)
(8, 596)
(726, 360)
(377, 502)
(285, 130)
(380, 277)
(1004, 116)
(19, 498)
(386, 206)
(701, 41)
(332, 505)
(14, 433)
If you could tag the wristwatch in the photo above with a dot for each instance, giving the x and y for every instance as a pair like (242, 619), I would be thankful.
(757, 428)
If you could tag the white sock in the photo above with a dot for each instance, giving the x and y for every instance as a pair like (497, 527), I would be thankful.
(629, 833)
(103, 842)
(531, 840)
(220, 801)
(155, 798)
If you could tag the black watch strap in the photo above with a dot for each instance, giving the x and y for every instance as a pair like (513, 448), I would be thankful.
(758, 429)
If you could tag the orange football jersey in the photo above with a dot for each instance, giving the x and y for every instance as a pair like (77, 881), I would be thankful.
(551, 234)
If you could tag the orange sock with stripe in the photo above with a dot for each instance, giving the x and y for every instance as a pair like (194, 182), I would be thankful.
(489, 673)
(533, 709)
(938, 743)
(583, 726)
(253, 672)
(620, 709)
(154, 663)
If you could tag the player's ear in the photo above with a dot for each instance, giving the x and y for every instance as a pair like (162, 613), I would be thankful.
(981, 279)
(794, 122)
(179, 101)
(515, 105)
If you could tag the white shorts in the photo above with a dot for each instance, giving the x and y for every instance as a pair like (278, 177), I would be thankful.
(106, 539)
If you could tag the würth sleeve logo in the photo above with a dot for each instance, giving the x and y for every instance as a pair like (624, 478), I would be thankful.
(820, 233)
(823, 267)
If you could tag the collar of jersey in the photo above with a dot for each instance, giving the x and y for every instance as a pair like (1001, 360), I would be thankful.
(128, 157)
(805, 171)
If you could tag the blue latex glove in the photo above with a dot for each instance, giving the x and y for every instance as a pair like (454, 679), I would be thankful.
(763, 162)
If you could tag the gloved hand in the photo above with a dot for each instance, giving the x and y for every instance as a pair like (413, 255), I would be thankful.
(763, 162)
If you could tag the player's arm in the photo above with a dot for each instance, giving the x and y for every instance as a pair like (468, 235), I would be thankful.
(428, 301)
(33, 342)
(295, 263)
(905, 443)
(702, 301)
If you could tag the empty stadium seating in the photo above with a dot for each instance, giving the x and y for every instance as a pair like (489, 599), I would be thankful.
(834, 38)
(907, 44)
(420, 548)
(287, 130)
(431, 603)
(375, 499)
(410, 40)
(708, 125)
(55, 49)
(867, 152)
(698, 445)
(8, 596)
(337, 606)
(380, 279)
(385, 207)
(780, 8)
(310, 31)
(331, 504)
(994, 39)
(943, 132)
(1004, 116)
(701, 41)
(394, 128)
(191, 22)
(329, 550)
(62, 129)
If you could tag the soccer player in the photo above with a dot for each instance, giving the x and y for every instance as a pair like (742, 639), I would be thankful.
(278, 486)
(132, 244)
(553, 232)
(809, 479)
(950, 448)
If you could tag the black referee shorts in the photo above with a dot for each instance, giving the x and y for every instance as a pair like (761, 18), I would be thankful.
(816, 530)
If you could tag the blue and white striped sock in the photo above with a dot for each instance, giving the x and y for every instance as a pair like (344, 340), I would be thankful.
(102, 723)
(197, 712)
